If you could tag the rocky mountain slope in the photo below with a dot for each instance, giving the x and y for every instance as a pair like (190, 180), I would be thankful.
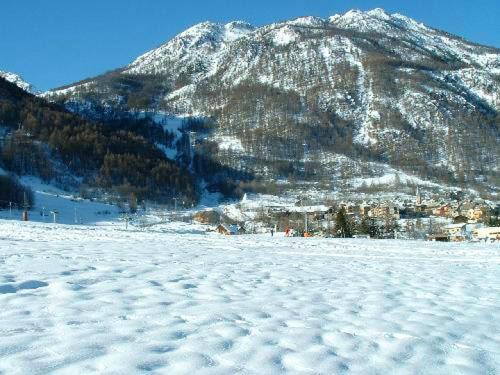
(318, 99)
(18, 81)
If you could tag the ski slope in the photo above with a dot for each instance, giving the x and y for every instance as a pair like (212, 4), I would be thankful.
(69, 207)
(172, 300)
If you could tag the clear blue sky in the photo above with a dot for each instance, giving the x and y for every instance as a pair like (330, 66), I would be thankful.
(55, 42)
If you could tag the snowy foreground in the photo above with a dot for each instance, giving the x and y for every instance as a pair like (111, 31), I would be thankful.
(82, 300)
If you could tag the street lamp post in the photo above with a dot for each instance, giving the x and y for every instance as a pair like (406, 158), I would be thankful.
(175, 204)
(305, 161)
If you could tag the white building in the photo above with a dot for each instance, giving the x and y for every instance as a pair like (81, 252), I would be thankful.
(489, 233)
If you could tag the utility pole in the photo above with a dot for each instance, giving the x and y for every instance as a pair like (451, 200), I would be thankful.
(26, 206)
(305, 161)
(192, 144)
(305, 215)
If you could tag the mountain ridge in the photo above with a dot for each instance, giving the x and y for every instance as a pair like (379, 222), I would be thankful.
(18, 81)
(369, 86)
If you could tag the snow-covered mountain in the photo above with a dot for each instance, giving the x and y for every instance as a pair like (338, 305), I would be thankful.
(321, 98)
(18, 80)
(200, 46)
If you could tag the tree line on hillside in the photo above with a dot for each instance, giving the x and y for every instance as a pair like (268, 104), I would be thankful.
(13, 194)
(274, 123)
(124, 92)
(121, 157)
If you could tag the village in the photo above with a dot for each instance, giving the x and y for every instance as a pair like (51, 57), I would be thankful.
(453, 217)
(443, 216)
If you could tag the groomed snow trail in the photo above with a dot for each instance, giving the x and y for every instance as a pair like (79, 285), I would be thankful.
(83, 300)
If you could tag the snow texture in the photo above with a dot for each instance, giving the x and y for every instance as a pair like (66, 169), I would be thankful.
(392, 178)
(230, 143)
(284, 36)
(101, 299)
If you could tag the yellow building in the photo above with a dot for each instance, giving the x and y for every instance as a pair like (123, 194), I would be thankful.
(383, 211)
(475, 213)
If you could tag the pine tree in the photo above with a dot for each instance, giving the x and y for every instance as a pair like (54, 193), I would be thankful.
(390, 226)
(132, 203)
(369, 226)
(343, 226)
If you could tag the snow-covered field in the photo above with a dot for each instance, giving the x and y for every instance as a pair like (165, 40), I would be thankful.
(99, 299)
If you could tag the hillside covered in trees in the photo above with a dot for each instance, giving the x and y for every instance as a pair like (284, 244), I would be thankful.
(118, 156)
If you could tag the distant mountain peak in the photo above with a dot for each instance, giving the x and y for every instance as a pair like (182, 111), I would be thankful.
(236, 30)
(216, 31)
(379, 12)
(194, 44)
(240, 25)
(375, 20)
(18, 80)
(356, 13)
(307, 21)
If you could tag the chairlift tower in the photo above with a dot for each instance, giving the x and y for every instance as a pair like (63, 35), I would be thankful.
(305, 215)
(192, 144)
(55, 214)
(305, 161)
(25, 208)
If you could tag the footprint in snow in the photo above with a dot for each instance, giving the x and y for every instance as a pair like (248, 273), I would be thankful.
(14, 288)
